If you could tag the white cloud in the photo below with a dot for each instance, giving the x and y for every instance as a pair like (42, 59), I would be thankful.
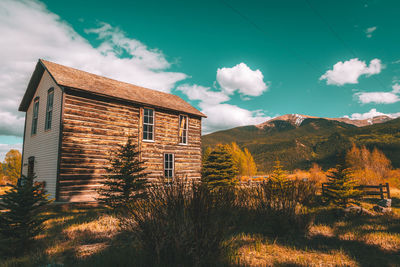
(225, 116)
(4, 148)
(369, 31)
(242, 78)
(349, 71)
(29, 31)
(204, 94)
(377, 97)
(380, 97)
(396, 88)
(11, 124)
(220, 115)
(370, 114)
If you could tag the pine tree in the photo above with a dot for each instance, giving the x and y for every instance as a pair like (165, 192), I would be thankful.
(22, 220)
(219, 169)
(126, 181)
(342, 187)
(278, 173)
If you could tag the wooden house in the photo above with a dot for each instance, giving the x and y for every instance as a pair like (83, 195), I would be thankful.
(74, 119)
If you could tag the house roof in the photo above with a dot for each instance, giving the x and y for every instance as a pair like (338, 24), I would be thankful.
(76, 79)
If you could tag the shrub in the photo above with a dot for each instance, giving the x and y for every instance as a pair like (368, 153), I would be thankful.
(22, 220)
(181, 224)
(283, 205)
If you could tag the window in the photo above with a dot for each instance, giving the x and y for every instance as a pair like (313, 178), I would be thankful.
(49, 108)
(35, 115)
(183, 129)
(169, 166)
(31, 166)
(148, 124)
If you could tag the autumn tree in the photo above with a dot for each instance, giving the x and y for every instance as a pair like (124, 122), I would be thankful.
(243, 160)
(127, 180)
(219, 168)
(12, 166)
(369, 167)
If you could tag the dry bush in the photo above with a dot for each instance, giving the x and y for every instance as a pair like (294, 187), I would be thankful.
(393, 178)
(181, 224)
(279, 206)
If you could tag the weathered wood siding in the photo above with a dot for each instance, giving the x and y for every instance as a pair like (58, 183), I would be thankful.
(45, 143)
(93, 127)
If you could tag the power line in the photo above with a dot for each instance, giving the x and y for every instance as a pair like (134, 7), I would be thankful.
(338, 37)
(256, 26)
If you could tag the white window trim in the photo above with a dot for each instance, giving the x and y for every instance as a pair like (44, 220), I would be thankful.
(153, 124)
(187, 129)
(167, 169)
(48, 110)
(36, 100)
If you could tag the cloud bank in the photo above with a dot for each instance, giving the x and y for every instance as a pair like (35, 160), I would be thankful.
(349, 71)
(29, 32)
(370, 114)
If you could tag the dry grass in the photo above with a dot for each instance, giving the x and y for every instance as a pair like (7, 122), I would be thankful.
(84, 236)
(353, 241)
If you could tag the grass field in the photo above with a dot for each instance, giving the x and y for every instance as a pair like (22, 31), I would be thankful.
(89, 236)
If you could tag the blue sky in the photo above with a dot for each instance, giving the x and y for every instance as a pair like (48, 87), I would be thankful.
(240, 62)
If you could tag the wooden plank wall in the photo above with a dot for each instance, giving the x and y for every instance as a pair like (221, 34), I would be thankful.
(92, 127)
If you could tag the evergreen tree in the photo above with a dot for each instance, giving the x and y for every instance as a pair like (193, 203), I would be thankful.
(22, 219)
(219, 169)
(341, 189)
(278, 174)
(126, 181)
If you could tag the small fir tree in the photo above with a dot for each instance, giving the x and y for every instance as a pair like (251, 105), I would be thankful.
(219, 169)
(22, 219)
(126, 181)
(342, 187)
(278, 174)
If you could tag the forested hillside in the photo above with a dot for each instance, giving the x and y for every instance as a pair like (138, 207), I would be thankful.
(313, 140)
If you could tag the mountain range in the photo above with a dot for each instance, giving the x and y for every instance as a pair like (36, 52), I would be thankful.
(300, 140)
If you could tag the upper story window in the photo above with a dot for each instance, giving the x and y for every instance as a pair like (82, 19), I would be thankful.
(49, 108)
(148, 124)
(35, 115)
(183, 129)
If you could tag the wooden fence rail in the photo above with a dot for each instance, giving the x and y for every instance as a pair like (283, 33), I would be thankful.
(380, 190)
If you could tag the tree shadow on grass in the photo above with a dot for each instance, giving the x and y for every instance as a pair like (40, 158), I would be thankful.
(363, 253)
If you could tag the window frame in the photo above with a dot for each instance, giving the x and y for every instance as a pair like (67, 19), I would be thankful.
(169, 169)
(148, 124)
(49, 109)
(35, 116)
(185, 130)
(31, 167)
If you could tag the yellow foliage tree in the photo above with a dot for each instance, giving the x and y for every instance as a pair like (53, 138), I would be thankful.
(243, 160)
(12, 166)
(368, 167)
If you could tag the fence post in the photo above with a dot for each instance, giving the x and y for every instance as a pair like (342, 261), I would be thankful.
(388, 190)
(381, 190)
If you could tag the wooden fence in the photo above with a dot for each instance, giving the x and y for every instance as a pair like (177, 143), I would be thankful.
(368, 190)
